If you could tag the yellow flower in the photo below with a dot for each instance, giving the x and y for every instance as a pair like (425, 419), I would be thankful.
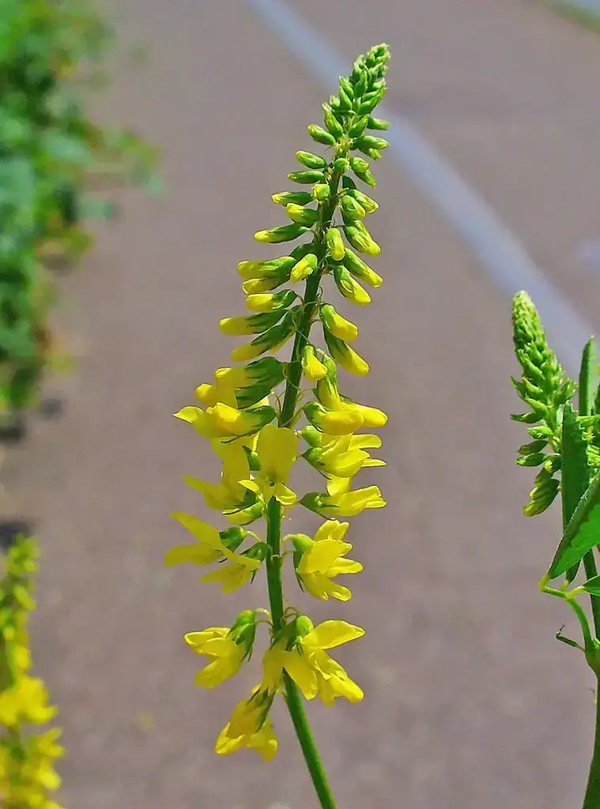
(222, 420)
(223, 389)
(309, 665)
(226, 656)
(26, 701)
(250, 727)
(343, 456)
(313, 369)
(277, 449)
(208, 549)
(340, 501)
(321, 561)
(338, 325)
(229, 494)
(232, 575)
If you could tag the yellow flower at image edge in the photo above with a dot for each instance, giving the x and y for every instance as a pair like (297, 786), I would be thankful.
(249, 727)
(309, 665)
(26, 701)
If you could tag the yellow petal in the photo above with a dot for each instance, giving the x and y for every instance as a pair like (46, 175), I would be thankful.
(329, 634)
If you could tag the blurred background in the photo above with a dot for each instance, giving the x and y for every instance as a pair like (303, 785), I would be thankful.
(469, 700)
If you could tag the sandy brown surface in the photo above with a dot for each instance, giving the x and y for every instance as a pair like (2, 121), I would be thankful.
(469, 701)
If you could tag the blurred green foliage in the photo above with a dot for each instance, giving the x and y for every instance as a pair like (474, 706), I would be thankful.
(50, 51)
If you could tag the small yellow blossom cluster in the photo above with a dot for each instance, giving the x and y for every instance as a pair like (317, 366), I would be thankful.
(27, 774)
(259, 424)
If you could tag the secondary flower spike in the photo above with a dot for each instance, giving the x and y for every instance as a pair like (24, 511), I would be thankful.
(281, 404)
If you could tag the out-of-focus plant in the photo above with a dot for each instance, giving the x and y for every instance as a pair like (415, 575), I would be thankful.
(565, 445)
(49, 49)
(27, 752)
(263, 416)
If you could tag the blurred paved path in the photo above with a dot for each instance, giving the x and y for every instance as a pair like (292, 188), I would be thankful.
(467, 704)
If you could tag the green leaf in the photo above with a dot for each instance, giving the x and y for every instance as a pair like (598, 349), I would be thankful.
(588, 378)
(593, 586)
(582, 532)
(574, 474)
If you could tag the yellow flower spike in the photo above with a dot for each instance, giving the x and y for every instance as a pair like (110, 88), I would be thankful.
(225, 655)
(338, 325)
(312, 368)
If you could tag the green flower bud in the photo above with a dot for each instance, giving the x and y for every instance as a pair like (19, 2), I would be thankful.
(321, 192)
(357, 267)
(265, 269)
(301, 215)
(361, 168)
(360, 238)
(320, 135)
(358, 127)
(378, 123)
(299, 197)
(335, 243)
(346, 86)
(331, 123)
(269, 301)
(370, 142)
(252, 324)
(311, 435)
(306, 177)
(233, 537)
(351, 208)
(350, 288)
(304, 268)
(345, 356)
(303, 625)
(284, 233)
(312, 161)
(370, 101)
(341, 165)
(369, 205)
(300, 542)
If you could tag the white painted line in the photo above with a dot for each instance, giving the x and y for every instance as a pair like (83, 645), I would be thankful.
(501, 255)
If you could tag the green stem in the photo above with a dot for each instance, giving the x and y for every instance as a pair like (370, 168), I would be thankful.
(293, 698)
(592, 794)
(274, 510)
